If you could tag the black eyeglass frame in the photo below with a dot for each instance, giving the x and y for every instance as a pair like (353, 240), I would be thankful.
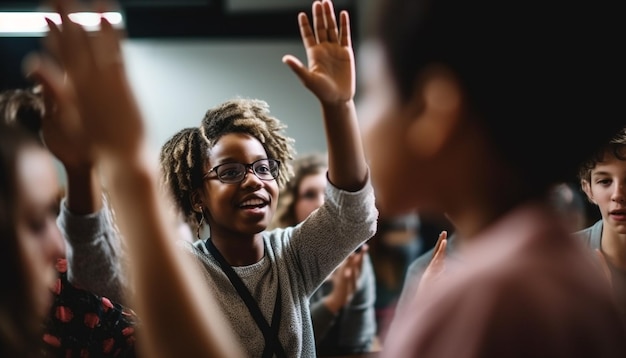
(274, 173)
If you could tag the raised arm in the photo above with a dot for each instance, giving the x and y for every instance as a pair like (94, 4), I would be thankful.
(194, 325)
(331, 77)
(94, 249)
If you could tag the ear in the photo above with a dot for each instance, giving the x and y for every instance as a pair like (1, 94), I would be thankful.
(196, 201)
(586, 186)
(437, 107)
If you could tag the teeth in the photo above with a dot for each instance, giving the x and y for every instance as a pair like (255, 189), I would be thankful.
(252, 202)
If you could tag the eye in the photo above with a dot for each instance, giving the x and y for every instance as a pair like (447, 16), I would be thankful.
(228, 171)
(40, 223)
(262, 168)
(37, 225)
(309, 195)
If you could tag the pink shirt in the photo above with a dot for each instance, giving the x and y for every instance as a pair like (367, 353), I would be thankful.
(523, 288)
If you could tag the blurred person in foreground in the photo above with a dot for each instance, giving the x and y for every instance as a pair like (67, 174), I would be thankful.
(461, 122)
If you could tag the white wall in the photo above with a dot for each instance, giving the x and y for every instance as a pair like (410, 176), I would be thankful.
(176, 81)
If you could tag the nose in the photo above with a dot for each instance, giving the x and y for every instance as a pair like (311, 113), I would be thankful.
(55, 243)
(251, 180)
(618, 193)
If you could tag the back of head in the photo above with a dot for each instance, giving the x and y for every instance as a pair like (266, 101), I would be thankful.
(304, 165)
(17, 322)
(538, 75)
(22, 106)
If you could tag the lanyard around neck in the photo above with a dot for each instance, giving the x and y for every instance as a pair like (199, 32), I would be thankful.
(270, 333)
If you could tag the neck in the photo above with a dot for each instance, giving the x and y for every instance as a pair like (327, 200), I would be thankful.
(238, 252)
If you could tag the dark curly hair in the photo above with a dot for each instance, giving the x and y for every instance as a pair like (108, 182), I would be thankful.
(616, 147)
(184, 155)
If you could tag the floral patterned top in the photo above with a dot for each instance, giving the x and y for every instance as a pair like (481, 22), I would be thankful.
(83, 324)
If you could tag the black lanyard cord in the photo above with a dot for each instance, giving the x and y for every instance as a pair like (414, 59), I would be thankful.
(270, 333)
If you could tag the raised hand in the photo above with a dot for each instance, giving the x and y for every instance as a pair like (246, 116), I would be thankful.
(436, 268)
(96, 82)
(330, 74)
(345, 280)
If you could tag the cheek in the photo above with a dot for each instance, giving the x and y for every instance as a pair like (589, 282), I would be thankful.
(272, 189)
(600, 196)
(303, 208)
(39, 257)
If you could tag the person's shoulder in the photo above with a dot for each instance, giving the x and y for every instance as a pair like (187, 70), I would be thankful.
(587, 234)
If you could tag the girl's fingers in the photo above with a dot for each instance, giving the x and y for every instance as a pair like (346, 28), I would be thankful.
(319, 23)
(442, 236)
(306, 32)
(345, 36)
(106, 45)
(43, 71)
(72, 40)
(330, 21)
(441, 252)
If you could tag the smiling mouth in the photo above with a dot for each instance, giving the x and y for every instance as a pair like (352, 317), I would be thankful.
(253, 203)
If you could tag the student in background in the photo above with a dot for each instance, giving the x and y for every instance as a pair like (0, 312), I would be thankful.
(563, 198)
(30, 241)
(94, 250)
(343, 307)
(461, 122)
(80, 321)
(603, 179)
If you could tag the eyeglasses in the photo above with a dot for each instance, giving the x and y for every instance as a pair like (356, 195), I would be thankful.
(232, 173)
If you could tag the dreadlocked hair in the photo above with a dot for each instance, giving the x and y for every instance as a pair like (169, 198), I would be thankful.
(251, 116)
(303, 166)
(181, 161)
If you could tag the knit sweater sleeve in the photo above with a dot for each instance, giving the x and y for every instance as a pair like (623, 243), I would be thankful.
(332, 232)
(94, 252)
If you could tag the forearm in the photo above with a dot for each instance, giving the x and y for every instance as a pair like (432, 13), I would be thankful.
(347, 168)
(94, 253)
(84, 192)
(163, 277)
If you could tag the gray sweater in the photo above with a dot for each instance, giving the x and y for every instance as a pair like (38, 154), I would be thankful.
(298, 259)
(94, 252)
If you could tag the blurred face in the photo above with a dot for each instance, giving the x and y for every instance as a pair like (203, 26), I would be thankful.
(607, 189)
(394, 171)
(39, 237)
(310, 195)
(244, 208)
